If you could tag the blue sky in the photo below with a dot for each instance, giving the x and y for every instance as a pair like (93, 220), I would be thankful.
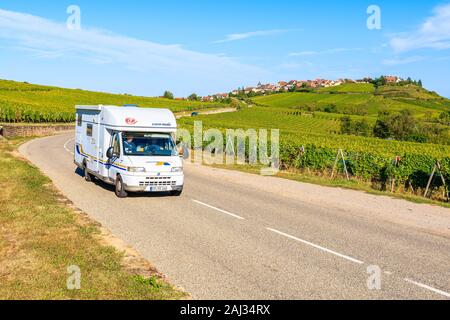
(146, 47)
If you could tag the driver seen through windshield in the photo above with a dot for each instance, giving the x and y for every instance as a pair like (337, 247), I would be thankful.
(148, 144)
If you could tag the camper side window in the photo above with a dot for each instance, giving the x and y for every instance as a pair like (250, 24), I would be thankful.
(79, 120)
(116, 144)
(89, 130)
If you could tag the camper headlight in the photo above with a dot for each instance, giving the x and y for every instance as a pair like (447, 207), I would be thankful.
(177, 169)
(136, 169)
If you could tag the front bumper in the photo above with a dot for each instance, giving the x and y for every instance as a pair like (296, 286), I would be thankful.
(148, 183)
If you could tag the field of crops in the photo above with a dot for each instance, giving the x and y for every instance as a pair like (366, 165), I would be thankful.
(309, 137)
(287, 121)
(410, 164)
(350, 88)
(361, 99)
(22, 102)
(408, 91)
(308, 141)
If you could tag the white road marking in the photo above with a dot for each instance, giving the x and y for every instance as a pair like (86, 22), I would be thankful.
(67, 149)
(220, 210)
(316, 246)
(424, 286)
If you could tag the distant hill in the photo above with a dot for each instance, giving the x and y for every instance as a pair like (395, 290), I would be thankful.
(348, 109)
(38, 103)
(360, 99)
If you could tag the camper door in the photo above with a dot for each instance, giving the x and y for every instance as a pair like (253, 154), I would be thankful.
(114, 166)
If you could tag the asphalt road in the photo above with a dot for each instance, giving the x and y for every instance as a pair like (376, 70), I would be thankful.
(234, 235)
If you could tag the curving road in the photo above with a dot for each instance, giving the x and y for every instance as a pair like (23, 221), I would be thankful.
(234, 235)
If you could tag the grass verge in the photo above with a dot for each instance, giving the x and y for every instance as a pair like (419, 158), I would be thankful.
(41, 237)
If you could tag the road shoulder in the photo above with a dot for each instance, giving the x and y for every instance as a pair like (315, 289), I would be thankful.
(46, 242)
(425, 217)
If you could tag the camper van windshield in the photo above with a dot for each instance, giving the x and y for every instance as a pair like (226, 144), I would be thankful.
(148, 144)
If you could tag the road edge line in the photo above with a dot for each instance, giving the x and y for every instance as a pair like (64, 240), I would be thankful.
(316, 246)
(424, 286)
(218, 209)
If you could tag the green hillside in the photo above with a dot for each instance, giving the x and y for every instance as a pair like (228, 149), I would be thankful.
(311, 131)
(23, 102)
(311, 140)
(350, 88)
(360, 99)
(308, 121)
(287, 122)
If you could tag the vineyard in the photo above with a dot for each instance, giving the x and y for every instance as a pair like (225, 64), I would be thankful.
(350, 88)
(18, 113)
(289, 121)
(360, 99)
(310, 137)
(308, 142)
(367, 158)
(23, 102)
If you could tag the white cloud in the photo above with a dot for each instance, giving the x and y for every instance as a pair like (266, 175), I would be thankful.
(303, 53)
(328, 51)
(45, 39)
(296, 65)
(434, 33)
(402, 61)
(252, 34)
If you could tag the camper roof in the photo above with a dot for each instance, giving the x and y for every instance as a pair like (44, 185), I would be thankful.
(134, 118)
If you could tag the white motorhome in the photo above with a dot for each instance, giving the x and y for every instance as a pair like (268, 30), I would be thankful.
(130, 147)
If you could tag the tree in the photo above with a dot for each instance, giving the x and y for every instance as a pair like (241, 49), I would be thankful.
(346, 125)
(193, 97)
(420, 84)
(357, 128)
(444, 118)
(362, 128)
(381, 129)
(332, 108)
(168, 95)
(399, 126)
(378, 82)
(235, 104)
(403, 125)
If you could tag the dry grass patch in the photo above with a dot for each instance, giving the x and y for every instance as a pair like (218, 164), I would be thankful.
(41, 235)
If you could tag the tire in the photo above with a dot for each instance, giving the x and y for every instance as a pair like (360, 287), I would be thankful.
(120, 191)
(176, 193)
(87, 176)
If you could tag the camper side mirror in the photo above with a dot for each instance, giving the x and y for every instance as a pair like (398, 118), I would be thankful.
(185, 152)
(110, 153)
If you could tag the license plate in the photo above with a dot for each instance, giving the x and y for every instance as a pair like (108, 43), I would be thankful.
(159, 189)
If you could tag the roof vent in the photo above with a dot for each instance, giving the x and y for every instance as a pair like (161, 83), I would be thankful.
(131, 106)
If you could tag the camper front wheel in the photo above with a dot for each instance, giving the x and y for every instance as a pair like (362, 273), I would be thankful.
(87, 175)
(120, 189)
(176, 193)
